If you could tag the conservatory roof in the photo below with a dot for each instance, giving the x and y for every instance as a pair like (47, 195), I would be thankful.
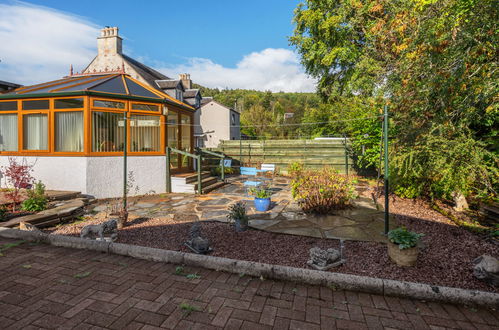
(111, 85)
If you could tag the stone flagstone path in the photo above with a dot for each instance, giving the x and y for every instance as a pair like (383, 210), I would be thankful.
(363, 222)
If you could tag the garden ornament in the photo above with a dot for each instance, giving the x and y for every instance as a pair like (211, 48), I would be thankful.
(109, 228)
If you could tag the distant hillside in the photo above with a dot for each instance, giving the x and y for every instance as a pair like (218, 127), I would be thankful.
(264, 108)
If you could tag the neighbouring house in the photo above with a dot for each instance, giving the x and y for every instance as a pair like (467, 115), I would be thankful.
(6, 86)
(216, 122)
(73, 130)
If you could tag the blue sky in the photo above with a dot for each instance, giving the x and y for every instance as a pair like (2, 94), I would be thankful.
(235, 44)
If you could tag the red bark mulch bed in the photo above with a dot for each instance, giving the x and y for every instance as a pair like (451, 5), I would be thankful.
(445, 260)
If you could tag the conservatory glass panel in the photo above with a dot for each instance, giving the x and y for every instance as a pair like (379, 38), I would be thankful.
(69, 131)
(145, 133)
(107, 132)
(8, 132)
(35, 132)
(172, 132)
(185, 131)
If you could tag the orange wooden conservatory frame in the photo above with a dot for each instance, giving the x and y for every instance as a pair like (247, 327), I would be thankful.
(165, 106)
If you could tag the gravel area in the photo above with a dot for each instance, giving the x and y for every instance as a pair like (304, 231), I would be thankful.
(445, 259)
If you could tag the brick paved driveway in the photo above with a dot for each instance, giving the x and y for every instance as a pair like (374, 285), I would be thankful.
(43, 286)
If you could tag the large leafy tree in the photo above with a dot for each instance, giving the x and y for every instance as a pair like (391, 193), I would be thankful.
(434, 62)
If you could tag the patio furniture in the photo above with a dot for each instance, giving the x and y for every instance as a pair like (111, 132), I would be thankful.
(267, 168)
(247, 172)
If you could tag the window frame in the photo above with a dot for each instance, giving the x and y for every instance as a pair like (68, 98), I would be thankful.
(145, 111)
(162, 132)
(20, 124)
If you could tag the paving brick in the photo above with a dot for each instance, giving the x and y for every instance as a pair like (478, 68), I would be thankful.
(222, 316)
(268, 315)
(233, 324)
(146, 295)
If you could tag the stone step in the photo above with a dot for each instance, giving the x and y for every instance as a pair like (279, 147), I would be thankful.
(189, 177)
(192, 188)
(212, 187)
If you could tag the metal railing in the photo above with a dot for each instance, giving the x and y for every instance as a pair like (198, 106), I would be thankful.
(198, 157)
(216, 154)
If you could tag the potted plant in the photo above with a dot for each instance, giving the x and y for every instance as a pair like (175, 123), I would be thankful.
(402, 246)
(237, 214)
(262, 199)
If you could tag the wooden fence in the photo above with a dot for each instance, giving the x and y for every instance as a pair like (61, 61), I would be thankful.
(282, 153)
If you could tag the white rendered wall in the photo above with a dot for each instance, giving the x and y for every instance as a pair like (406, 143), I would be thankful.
(101, 177)
(57, 173)
(105, 175)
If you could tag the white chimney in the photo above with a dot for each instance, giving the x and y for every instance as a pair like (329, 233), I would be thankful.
(109, 42)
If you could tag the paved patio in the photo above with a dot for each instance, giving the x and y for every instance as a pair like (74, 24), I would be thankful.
(47, 287)
(363, 222)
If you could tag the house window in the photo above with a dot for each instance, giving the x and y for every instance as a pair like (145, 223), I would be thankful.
(145, 107)
(109, 104)
(107, 132)
(35, 132)
(233, 119)
(179, 95)
(145, 133)
(36, 105)
(8, 132)
(69, 131)
(8, 106)
(68, 103)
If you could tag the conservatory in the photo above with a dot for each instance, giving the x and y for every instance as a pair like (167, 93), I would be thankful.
(73, 131)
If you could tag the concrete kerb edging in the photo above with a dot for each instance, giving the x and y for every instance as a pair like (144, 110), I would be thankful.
(308, 276)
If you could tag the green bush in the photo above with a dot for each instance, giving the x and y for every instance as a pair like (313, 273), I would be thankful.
(3, 213)
(323, 191)
(403, 238)
(37, 201)
(218, 170)
(260, 192)
(295, 169)
(438, 167)
(237, 211)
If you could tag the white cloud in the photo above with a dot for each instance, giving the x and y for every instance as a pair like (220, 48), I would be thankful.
(274, 69)
(38, 44)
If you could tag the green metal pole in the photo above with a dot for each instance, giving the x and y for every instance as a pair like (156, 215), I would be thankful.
(240, 152)
(199, 175)
(346, 155)
(168, 174)
(125, 147)
(387, 172)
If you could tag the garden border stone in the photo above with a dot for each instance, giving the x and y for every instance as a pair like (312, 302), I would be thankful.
(308, 276)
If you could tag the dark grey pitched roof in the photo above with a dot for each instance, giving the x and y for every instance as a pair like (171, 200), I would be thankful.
(149, 74)
(205, 100)
(167, 84)
(190, 93)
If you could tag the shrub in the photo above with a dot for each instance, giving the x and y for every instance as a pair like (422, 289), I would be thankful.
(3, 213)
(18, 175)
(237, 211)
(295, 169)
(323, 191)
(37, 201)
(218, 170)
(260, 192)
(403, 238)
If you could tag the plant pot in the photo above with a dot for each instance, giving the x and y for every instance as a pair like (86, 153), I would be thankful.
(240, 225)
(405, 258)
(262, 204)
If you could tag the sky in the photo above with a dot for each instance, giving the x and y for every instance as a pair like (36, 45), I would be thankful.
(222, 43)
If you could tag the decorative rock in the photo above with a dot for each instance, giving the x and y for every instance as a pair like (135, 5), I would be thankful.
(197, 243)
(324, 259)
(486, 268)
(109, 228)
